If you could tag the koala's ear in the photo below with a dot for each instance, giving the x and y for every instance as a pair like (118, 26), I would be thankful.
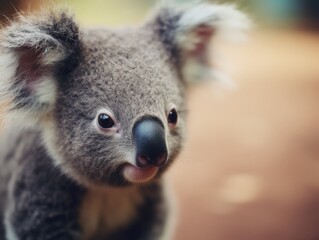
(187, 31)
(34, 52)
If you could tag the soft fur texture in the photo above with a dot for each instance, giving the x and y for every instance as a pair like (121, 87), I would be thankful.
(62, 178)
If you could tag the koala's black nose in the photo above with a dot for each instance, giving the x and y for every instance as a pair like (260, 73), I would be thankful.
(151, 150)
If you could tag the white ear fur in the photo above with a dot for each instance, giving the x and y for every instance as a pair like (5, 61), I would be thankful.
(45, 88)
(194, 28)
(222, 19)
(31, 48)
(8, 67)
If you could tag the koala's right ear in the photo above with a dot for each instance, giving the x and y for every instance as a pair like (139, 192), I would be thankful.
(33, 52)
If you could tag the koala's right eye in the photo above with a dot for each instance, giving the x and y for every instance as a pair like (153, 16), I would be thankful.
(105, 121)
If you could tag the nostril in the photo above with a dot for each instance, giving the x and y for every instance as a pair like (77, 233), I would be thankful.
(143, 160)
(161, 160)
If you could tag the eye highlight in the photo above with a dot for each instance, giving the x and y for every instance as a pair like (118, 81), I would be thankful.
(105, 121)
(172, 117)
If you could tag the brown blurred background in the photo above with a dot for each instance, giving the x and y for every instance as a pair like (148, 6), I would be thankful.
(250, 169)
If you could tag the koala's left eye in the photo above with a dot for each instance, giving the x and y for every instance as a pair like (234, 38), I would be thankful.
(105, 121)
(172, 117)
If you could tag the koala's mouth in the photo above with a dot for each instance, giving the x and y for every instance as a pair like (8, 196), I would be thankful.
(135, 174)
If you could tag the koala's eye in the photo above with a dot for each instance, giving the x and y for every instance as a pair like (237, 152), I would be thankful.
(172, 117)
(105, 121)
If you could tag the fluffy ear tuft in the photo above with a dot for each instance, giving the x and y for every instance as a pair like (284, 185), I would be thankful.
(187, 31)
(33, 52)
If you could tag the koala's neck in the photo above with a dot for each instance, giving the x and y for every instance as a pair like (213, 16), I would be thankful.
(107, 209)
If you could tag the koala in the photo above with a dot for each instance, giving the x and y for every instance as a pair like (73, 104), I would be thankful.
(95, 116)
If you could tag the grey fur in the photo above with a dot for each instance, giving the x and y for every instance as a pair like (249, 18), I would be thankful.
(58, 78)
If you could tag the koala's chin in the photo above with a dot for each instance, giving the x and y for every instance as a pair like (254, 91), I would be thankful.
(135, 174)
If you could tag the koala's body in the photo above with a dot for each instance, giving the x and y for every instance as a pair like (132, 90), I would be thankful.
(95, 117)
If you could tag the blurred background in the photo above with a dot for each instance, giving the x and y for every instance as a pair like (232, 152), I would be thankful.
(250, 168)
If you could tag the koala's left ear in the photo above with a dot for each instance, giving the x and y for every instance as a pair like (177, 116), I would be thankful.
(34, 52)
(186, 33)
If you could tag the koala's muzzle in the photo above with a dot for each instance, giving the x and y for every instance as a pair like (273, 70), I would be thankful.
(149, 136)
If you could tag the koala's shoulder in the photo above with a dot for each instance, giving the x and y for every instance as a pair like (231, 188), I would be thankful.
(15, 142)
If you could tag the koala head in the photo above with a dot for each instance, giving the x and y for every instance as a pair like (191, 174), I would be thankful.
(110, 104)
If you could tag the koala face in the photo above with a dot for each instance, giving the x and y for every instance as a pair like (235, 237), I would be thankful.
(110, 104)
(121, 84)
